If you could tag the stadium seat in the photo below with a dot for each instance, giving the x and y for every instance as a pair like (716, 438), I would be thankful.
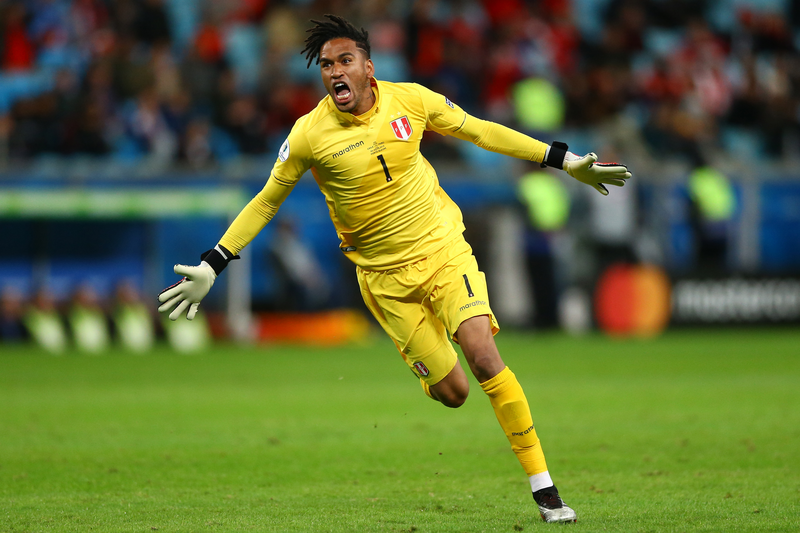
(243, 45)
(746, 144)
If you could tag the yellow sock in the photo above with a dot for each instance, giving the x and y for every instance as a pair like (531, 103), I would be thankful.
(514, 415)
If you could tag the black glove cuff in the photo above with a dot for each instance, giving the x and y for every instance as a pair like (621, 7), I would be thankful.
(218, 258)
(556, 155)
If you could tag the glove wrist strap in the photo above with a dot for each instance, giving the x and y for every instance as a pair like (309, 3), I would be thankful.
(218, 258)
(555, 155)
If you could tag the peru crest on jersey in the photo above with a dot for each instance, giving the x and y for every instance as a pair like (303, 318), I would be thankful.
(402, 128)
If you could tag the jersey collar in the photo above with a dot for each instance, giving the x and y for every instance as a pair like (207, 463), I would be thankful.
(364, 117)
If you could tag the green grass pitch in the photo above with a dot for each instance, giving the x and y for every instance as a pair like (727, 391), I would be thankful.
(693, 431)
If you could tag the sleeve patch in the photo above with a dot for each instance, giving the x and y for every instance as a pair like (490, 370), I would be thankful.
(283, 153)
(447, 100)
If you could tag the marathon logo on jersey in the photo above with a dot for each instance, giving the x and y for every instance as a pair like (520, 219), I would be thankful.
(402, 128)
(447, 100)
(283, 153)
(345, 150)
(421, 368)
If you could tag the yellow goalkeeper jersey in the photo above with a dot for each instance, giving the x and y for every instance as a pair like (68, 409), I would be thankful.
(384, 197)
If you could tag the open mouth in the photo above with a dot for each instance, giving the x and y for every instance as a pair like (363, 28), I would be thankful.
(341, 91)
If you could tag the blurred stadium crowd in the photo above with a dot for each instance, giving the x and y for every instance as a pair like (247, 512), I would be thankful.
(198, 82)
(685, 90)
(89, 323)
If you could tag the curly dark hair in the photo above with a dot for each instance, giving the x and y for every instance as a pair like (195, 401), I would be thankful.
(337, 28)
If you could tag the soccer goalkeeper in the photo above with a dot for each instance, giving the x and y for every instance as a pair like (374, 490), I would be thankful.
(416, 272)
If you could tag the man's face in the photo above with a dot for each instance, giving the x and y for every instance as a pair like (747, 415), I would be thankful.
(346, 72)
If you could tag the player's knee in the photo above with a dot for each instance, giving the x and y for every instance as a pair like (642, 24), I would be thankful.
(486, 364)
(452, 392)
(454, 398)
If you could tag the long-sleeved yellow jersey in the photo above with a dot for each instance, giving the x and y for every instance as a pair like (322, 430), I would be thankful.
(384, 197)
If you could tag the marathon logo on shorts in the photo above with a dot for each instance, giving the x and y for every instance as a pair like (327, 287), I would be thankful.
(421, 368)
(402, 128)
(471, 304)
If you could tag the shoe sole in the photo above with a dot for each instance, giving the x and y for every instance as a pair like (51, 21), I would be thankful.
(560, 521)
(566, 521)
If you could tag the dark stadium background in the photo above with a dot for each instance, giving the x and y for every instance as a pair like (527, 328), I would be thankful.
(132, 131)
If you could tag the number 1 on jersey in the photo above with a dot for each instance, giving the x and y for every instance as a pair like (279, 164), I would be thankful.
(385, 168)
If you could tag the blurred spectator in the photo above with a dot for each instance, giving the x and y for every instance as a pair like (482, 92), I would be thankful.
(6, 129)
(89, 136)
(151, 24)
(96, 113)
(628, 20)
(245, 123)
(203, 64)
(12, 308)
(45, 324)
(40, 122)
(196, 148)
(87, 321)
(147, 126)
(178, 111)
(18, 49)
(547, 203)
(688, 79)
(188, 336)
(132, 319)
(702, 58)
(283, 31)
(132, 70)
(286, 103)
(768, 31)
(712, 203)
(166, 71)
(90, 21)
(426, 37)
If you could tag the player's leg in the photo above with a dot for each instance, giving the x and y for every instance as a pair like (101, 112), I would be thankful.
(402, 309)
(506, 396)
(452, 391)
(462, 302)
(475, 337)
(511, 408)
(430, 338)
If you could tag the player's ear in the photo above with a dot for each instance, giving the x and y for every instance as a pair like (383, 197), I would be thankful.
(370, 68)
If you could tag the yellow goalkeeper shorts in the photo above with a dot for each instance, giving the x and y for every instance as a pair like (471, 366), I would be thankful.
(419, 303)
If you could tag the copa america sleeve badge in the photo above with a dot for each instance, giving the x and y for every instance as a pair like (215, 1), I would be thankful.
(283, 153)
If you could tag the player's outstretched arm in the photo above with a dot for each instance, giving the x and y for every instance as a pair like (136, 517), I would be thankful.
(185, 296)
(586, 169)
(498, 138)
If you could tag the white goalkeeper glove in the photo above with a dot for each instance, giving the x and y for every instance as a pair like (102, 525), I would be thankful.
(187, 293)
(586, 169)
(185, 296)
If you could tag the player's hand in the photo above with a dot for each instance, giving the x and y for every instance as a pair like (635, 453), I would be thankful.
(187, 293)
(587, 170)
